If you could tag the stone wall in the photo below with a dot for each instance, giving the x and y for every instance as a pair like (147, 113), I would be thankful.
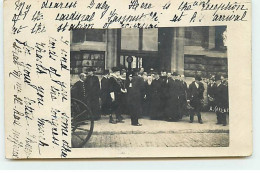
(204, 66)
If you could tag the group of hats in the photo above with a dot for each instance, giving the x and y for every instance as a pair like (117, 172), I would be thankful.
(198, 78)
(215, 77)
(91, 69)
(115, 69)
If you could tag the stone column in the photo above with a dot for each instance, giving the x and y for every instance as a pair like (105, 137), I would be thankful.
(111, 51)
(177, 51)
(71, 37)
(212, 37)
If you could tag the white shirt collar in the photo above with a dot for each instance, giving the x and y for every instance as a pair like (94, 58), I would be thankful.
(113, 75)
(197, 85)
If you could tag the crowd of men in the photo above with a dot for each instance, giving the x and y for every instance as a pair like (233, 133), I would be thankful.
(164, 96)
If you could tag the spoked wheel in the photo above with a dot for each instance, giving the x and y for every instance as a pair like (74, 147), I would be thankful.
(82, 123)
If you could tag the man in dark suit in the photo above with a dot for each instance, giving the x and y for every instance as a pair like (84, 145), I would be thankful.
(93, 93)
(211, 89)
(78, 91)
(183, 96)
(106, 99)
(123, 102)
(135, 90)
(164, 93)
(116, 90)
(172, 107)
(147, 107)
(155, 97)
(221, 101)
(196, 90)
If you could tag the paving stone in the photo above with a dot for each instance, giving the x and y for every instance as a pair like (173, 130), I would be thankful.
(155, 133)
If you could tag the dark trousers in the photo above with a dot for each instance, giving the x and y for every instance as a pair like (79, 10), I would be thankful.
(118, 113)
(135, 111)
(211, 106)
(119, 116)
(117, 110)
(93, 103)
(147, 108)
(182, 108)
(221, 118)
(134, 120)
(163, 111)
(192, 113)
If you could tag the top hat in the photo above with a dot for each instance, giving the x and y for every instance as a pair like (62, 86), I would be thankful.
(217, 77)
(91, 69)
(174, 74)
(123, 70)
(198, 78)
(115, 69)
(106, 72)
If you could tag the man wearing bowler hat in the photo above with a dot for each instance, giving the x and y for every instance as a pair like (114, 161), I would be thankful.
(195, 96)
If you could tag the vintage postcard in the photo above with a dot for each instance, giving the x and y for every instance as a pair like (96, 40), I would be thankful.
(127, 78)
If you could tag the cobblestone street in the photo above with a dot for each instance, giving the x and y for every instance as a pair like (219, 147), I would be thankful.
(155, 133)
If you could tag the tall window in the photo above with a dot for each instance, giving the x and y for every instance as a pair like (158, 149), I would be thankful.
(141, 45)
(139, 39)
(196, 36)
(130, 39)
(97, 35)
(220, 37)
(150, 39)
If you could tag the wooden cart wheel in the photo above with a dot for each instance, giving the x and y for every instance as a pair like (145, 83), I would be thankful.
(82, 123)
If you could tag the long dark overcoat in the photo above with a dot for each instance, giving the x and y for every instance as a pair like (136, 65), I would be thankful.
(173, 100)
(196, 96)
(155, 99)
(93, 94)
(221, 98)
(106, 99)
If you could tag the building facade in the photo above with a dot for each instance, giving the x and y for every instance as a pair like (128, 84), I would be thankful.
(185, 50)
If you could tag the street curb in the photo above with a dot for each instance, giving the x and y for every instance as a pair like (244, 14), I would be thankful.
(160, 132)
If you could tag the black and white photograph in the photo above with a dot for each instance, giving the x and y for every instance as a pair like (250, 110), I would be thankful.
(109, 81)
(158, 87)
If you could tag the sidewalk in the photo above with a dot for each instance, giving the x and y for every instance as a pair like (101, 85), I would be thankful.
(156, 133)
